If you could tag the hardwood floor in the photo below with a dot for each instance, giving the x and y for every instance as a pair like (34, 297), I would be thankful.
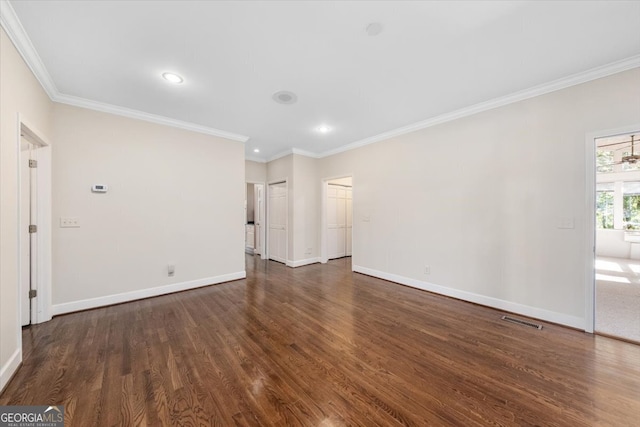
(320, 345)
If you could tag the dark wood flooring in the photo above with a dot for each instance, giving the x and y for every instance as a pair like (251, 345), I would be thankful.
(321, 346)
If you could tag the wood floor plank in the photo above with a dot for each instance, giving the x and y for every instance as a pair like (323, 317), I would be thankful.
(320, 346)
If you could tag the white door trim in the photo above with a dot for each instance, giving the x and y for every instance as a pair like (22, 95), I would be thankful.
(324, 251)
(42, 310)
(267, 219)
(590, 221)
(263, 234)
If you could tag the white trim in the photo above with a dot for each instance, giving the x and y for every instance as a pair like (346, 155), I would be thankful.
(305, 153)
(263, 228)
(10, 368)
(18, 36)
(562, 83)
(525, 310)
(590, 222)
(141, 115)
(41, 311)
(144, 293)
(302, 262)
(324, 182)
(255, 159)
(267, 219)
(284, 153)
(20, 39)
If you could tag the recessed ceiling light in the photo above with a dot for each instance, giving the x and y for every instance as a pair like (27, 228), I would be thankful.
(172, 78)
(374, 28)
(285, 97)
(256, 150)
(323, 129)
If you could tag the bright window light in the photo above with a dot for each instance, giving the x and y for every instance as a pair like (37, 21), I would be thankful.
(608, 266)
(607, 278)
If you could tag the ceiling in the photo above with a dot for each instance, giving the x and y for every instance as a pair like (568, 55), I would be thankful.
(432, 58)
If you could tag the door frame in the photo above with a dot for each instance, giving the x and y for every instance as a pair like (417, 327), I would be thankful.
(266, 253)
(590, 219)
(41, 310)
(263, 233)
(324, 255)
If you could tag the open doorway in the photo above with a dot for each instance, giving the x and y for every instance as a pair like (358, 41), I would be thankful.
(337, 218)
(617, 236)
(254, 219)
(34, 225)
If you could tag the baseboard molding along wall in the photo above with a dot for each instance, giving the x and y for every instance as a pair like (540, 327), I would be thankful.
(525, 310)
(302, 262)
(86, 304)
(10, 368)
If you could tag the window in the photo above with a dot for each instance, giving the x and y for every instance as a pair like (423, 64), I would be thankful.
(604, 205)
(604, 161)
(631, 205)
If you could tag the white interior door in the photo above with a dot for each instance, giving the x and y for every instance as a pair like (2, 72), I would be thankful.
(338, 220)
(278, 222)
(259, 212)
(28, 241)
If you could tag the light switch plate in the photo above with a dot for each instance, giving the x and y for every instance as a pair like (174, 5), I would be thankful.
(69, 222)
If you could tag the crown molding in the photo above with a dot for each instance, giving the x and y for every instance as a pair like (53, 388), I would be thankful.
(255, 159)
(280, 155)
(11, 24)
(563, 83)
(141, 115)
(18, 36)
(305, 153)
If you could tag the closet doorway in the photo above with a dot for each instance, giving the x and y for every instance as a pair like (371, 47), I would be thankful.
(254, 219)
(339, 218)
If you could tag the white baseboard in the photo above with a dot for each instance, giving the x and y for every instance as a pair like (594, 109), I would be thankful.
(525, 310)
(249, 250)
(86, 304)
(9, 368)
(302, 262)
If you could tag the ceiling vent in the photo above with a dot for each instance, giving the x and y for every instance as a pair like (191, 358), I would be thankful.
(285, 97)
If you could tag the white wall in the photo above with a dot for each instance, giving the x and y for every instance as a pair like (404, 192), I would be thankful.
(255, 171)
(20, 93)
(175, 197)
(610, 243)
(479, 199)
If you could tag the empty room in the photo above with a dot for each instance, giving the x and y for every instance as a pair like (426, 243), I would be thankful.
(319, 213)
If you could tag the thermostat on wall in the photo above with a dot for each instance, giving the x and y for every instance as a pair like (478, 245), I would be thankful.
(99, 188)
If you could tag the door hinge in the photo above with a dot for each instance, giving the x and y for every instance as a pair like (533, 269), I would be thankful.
(33, 293)
(33, 163)
(33, 229)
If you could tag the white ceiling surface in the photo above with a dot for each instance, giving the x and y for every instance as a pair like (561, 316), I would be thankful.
(432, 58)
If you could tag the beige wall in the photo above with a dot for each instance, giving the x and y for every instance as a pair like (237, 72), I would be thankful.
(20, 93)
(255, 171)
(306, 210)
(175, 197)
(478, 200)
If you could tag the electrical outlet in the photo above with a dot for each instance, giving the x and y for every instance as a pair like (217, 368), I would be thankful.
(308, 251)
(171, 270)
(69, 222)
(427, 269)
